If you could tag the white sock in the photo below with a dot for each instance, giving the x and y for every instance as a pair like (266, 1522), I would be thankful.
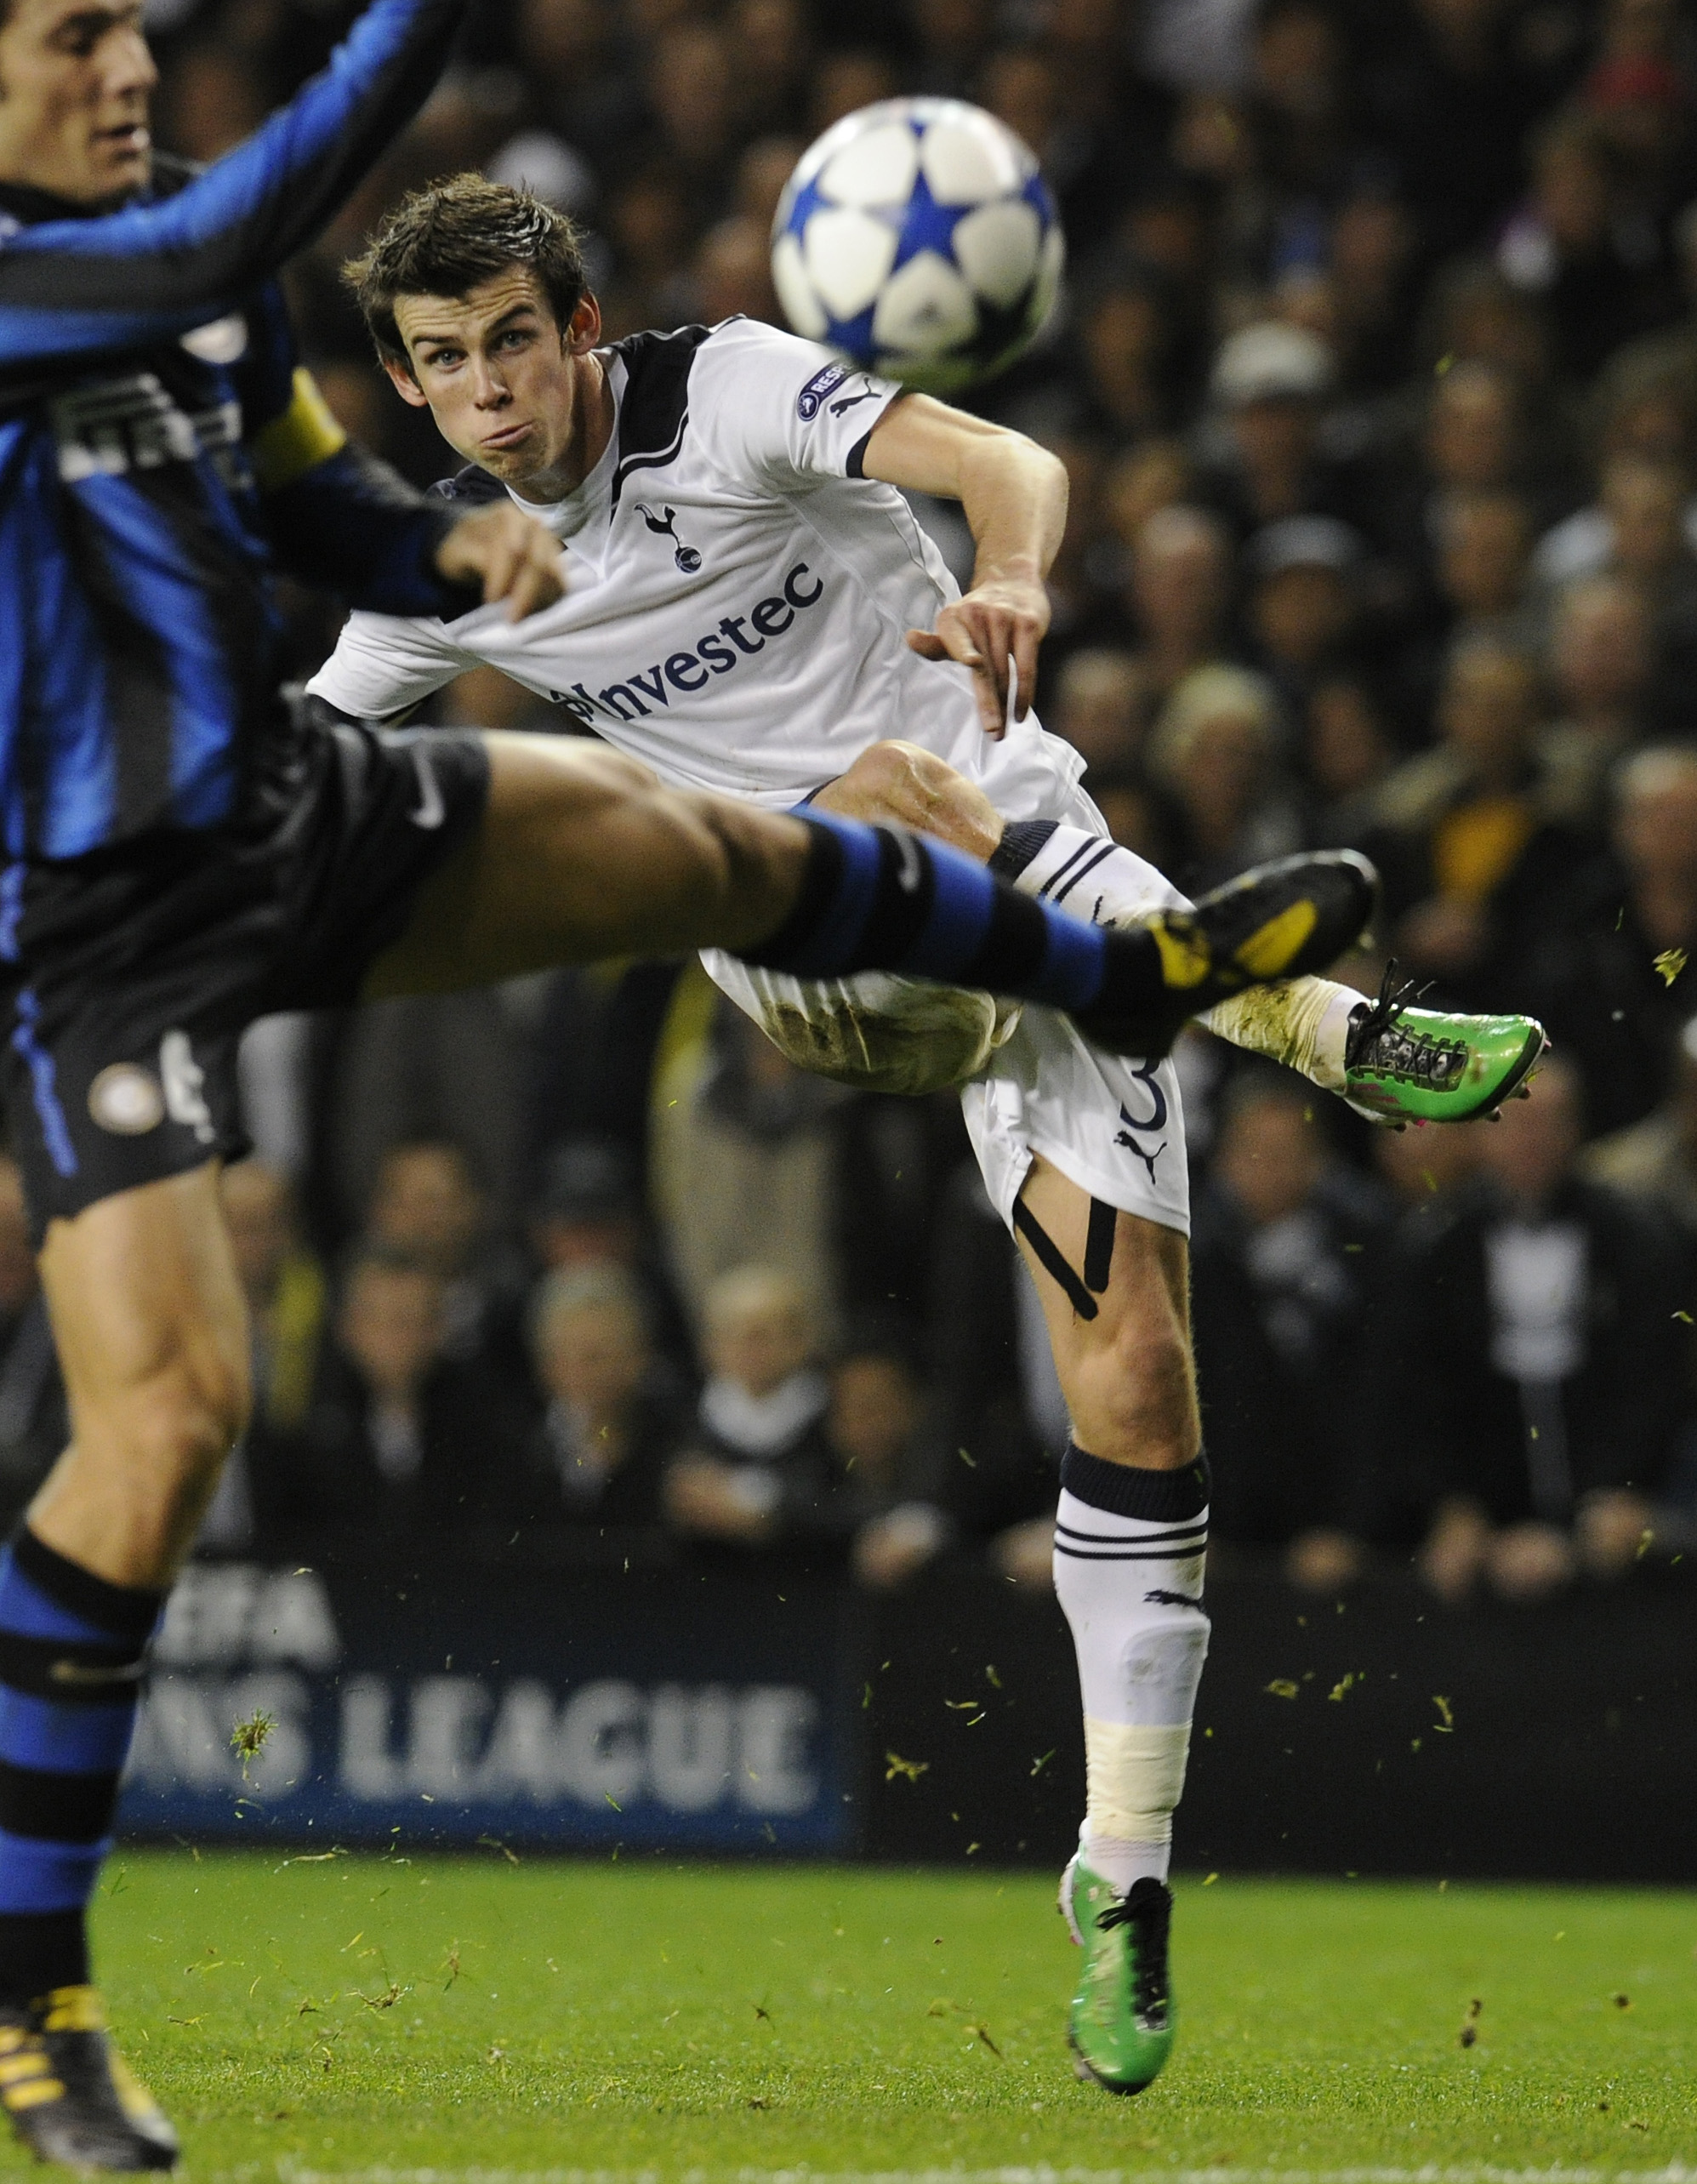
(1085, 874)
(1128, 1548)
(1303, 1023)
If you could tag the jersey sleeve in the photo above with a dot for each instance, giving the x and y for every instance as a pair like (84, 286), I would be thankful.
(151, 271)
(786, 412)
(336, 515)
(383, 665)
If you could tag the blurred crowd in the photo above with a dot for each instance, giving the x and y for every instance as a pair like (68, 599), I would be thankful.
(1376, 377)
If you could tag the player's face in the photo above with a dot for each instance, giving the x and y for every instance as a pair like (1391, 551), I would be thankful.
(75, 83)
(509, 388)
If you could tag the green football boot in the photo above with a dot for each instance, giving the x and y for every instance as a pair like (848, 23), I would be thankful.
(1123, 2018)
(1403, 1064)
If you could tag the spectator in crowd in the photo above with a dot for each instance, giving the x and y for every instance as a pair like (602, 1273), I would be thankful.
(1485, 539)
(884, 1479)
(1602, 656)
(284, 1286)
(1608, 976)
(745, 1165)
(428, 1068)
(1346, 753)
(1269, 383)
(1540, 1381)
(1215, 752)
(1000, 1422)
(1147, 477)
(1600, 281)
(1304, 576)
(426, 1208)
(589, 1217)
(1284, 1257)
(401, 1441)
(33, 1424)
(1125, 356)
(1100, 707)
(758, 1466)
(1468, 850)
(1419, 1166)
(613, 1419)
(1654, 1162)
(1179, 588)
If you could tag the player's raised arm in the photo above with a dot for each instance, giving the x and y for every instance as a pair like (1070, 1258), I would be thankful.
(1014, 496)
(152, 271)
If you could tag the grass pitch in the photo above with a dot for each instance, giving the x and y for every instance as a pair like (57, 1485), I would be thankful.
(357, 2015)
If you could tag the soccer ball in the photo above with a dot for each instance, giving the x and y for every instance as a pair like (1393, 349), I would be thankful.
(918, 237)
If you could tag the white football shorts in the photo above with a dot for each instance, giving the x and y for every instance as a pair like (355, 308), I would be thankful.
(1113, 1126)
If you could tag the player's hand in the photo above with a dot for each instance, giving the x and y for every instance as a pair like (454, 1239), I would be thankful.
(1002, 620)
(509, 554)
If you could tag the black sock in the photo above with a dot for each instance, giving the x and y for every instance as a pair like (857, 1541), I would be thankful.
(40, 1951)
(879, 898)
(71, 1658)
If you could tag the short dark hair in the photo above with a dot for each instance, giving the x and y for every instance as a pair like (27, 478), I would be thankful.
(450, 237)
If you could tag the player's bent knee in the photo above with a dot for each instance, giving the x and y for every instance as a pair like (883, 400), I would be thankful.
(1137, 1404)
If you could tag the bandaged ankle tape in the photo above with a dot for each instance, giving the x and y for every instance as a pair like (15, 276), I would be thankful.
(1135, 1773)
(1303, 1023)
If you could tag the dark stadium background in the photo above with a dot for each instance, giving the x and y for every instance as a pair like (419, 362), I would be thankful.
(1376, 380)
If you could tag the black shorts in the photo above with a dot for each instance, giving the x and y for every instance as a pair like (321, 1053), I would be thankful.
(127, 976)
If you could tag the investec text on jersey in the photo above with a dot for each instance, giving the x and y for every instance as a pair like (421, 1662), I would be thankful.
(690, 671)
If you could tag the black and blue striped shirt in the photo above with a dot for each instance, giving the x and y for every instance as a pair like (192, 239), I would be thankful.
(162, 455)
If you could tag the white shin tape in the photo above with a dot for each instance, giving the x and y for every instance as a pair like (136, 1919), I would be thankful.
(1135, 1776)
(1303, 1023)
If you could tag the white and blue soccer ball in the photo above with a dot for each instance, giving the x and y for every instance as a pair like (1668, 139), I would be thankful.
(919, 237)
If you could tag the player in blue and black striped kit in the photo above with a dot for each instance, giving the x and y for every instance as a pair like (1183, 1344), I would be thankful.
(181, 854)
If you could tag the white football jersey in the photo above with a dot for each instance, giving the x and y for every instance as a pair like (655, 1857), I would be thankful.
(738, 594)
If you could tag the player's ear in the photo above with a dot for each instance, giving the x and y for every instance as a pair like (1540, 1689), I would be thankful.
(584, 332)
(401, 379)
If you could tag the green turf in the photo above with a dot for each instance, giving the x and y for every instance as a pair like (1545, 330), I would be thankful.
(336, 2016)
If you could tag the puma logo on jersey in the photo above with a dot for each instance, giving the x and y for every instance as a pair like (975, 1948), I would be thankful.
(688, 559)
(645, 691)
(1124, 1137)
(1155, 1119)
(853, 401)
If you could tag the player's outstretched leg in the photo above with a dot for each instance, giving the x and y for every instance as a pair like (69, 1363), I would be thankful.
(876, 898)
(582, 854)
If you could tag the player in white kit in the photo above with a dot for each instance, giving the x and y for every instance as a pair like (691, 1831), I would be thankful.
(749, 606)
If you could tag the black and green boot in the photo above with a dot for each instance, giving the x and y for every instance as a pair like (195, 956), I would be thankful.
(1404, 1064)
(1122, 2020)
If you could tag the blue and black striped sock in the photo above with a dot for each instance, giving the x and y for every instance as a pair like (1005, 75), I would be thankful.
(71, 1650)
(878, 898)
